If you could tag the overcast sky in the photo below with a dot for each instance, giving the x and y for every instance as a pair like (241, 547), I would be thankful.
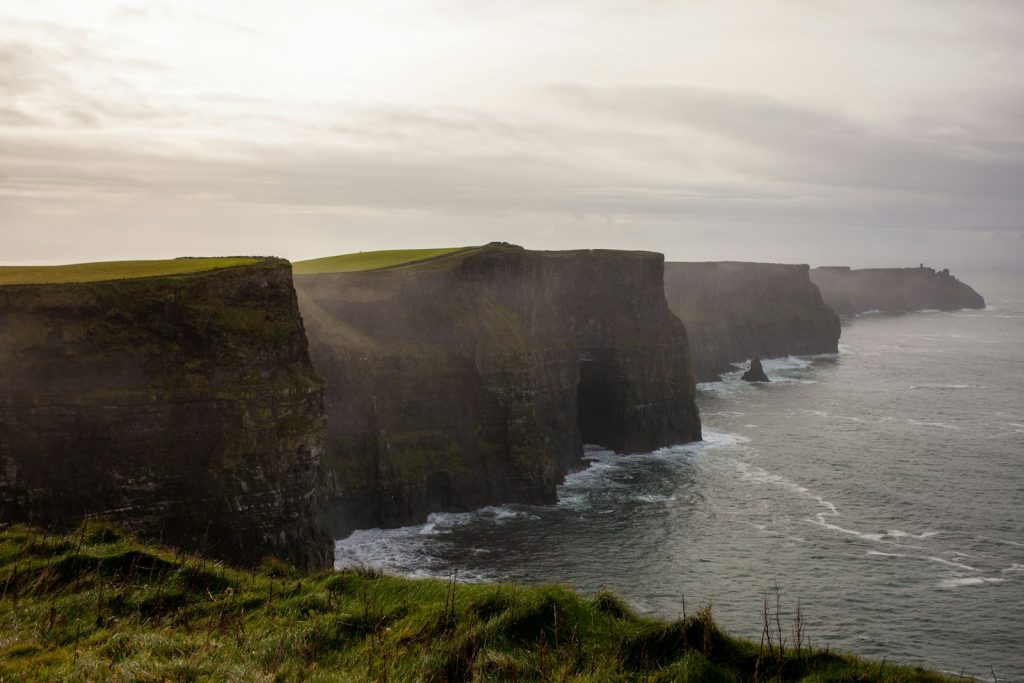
(818, 131)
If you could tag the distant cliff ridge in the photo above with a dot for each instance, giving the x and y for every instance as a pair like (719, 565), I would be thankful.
(893, 290)
(474, 377)
(183, 406)
(734, 311)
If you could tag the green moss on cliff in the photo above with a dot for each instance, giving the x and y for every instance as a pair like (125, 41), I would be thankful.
(370, 260)
(96, 605)
(115, 270)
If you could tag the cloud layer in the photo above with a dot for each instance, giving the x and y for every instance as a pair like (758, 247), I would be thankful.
(825, 133)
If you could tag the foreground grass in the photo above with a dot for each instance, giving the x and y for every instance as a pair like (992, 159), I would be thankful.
(370, 260)
(114, 270)
(98, 605)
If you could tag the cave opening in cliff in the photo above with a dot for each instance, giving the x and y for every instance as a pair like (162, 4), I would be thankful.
(597, 402)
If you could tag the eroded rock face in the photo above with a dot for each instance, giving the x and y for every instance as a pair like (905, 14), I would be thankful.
(893, 290)
(184, 408)
(474, 379)
(735, 310)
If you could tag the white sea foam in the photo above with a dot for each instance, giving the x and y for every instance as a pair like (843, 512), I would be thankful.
(785, 363)
(941, 425)
(1002, 540)
(654, 498)
(948, 584)
(1014, 569)
(830, 512)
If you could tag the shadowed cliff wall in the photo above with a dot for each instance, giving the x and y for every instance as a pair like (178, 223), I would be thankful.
(734, 311)
(184, 408)
(893, 290)
(456, 383)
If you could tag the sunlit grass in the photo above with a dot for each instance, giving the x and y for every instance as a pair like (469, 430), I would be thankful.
(114, 270)
(97, 605)
(370, 260)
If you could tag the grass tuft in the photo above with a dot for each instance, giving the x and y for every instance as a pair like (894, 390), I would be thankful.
(98, 605)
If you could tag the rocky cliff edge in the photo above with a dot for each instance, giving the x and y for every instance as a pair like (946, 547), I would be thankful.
(184, 408)
(475, 377)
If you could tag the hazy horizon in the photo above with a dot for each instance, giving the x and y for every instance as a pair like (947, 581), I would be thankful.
(828, 134)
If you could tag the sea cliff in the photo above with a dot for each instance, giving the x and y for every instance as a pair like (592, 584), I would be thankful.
(893, 290)
(475, 377)
(734, 311)
(182, 407)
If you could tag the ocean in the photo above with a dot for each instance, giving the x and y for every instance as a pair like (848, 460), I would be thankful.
(880, 489)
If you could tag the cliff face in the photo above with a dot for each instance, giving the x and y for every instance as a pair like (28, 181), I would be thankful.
(184, 408)
(735, 311)
(474, 378)
(893, 290)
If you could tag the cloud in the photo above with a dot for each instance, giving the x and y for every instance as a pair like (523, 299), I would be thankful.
(658, 116)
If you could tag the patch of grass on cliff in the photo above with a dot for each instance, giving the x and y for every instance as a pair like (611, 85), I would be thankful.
(97, 605)
(370, 260)
(115, 270)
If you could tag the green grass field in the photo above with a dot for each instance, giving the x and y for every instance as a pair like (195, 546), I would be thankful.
(370, 260)
(114, 270)
(96, 605)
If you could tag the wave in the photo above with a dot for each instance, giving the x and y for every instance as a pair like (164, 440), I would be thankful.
(654, 498)
(941, 425)
(948, 584)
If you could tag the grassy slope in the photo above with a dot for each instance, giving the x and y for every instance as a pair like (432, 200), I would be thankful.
(97, 605)
(370, 260)
(114, 270)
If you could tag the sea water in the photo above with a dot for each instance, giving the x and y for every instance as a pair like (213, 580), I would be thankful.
(881, 489)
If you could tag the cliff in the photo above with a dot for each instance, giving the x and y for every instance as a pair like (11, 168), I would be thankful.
(474, 378)
(734, 311)
(183, 407)
(893, 290)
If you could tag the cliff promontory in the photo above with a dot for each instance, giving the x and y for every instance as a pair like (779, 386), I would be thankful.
(735, 310)
(473, 377)
(178, 401)
(893, 290)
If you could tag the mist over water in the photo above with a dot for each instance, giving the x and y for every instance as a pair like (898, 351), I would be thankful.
(881, 488)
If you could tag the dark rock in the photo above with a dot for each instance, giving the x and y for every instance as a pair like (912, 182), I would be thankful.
(893, 290)
(475, 378)
(734, 311)
(756, 372)
(183, 408)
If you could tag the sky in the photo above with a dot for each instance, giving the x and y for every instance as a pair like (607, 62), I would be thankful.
(800, 131)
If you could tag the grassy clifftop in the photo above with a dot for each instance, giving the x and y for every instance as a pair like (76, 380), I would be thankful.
(115, 270)
(371, 260)
(97, 605)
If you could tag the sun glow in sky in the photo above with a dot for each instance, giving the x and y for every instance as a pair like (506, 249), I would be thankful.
(826, 132)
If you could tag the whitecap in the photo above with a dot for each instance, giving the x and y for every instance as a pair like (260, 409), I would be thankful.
(1001, 540)
(785, 363)
(941, 425)
(654, 498)
(948, 584)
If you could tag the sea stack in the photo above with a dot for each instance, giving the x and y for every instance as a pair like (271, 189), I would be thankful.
(736, 310)
(756, 372)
